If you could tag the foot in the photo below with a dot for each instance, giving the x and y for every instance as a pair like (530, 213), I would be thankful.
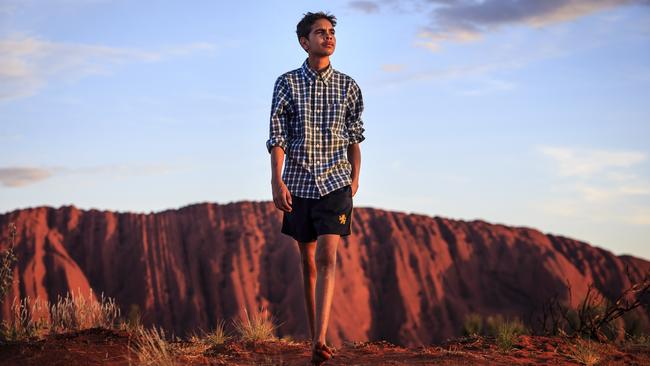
(331, 350)
(320, 353)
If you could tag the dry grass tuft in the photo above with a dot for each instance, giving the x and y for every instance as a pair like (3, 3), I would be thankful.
(76, 312)
(28, 319)
(505, 331)
(151, 347)
(36, 318)
(584, 352)
(256, 328)
(218, 335)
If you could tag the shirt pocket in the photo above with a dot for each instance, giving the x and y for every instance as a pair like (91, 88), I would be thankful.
(334, 121)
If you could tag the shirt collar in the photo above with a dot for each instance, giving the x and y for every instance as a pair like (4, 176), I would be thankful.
(311, 75)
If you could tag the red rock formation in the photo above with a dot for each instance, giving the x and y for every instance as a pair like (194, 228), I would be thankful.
(409, 279)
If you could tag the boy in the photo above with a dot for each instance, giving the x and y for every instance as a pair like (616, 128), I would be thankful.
(316, 123)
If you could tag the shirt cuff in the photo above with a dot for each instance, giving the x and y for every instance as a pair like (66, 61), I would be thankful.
(278, 141)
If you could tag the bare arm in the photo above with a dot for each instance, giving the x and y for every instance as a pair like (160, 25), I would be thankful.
(355, 129)
(354, 157)
(281, 194)
(277, 143)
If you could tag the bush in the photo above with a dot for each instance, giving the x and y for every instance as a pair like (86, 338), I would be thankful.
(7, 261)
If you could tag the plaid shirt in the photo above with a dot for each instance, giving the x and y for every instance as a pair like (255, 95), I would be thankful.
(314, 117)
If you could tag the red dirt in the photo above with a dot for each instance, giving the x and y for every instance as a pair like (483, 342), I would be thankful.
(110, 347)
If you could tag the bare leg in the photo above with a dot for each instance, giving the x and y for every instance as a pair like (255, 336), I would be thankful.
(326, 267)
(307, 252)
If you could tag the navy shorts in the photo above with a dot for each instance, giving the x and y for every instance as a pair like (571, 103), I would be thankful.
(310, 217)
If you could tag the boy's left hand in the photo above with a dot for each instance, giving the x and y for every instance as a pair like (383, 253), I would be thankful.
(354, 186)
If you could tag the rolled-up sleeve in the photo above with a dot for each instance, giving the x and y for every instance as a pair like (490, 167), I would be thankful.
(280, 114)
(353, 112)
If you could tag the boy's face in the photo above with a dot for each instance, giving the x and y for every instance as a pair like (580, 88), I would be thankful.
(322, 40)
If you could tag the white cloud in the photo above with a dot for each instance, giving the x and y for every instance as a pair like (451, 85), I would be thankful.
(598, 185)
(27, 63)
(15, 177)
(392, 67)
(364, 6)
(21, 176)
(587, 162)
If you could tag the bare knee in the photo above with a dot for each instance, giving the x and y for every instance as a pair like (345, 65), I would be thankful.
(325, 260)
(307, 255)
(309, 265)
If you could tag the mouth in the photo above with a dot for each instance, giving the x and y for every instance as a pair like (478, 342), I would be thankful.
(329, 45)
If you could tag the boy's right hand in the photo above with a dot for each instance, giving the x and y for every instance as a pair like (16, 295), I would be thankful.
(281, 195)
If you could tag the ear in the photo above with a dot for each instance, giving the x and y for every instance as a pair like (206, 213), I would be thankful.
(304, 43)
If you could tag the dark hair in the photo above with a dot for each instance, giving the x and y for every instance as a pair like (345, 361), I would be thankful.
(304, 26)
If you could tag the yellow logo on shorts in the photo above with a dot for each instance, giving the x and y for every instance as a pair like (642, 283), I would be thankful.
(342, 219)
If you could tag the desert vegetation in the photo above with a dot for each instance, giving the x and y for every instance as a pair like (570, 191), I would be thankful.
(7, 261)
(587, 327)
(504, 330)
(34, 318)
(153, 347)
(596, 317)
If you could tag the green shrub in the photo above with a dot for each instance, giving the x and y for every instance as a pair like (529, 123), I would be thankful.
(505, 331)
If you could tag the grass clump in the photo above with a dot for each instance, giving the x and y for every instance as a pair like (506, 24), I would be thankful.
(28, 319)
(258, 327)
(505, 331)
(473, 324)
(151, 347)
(218, 335)
(35, 318)
(76, 312)
(584, 352)
(506, 336)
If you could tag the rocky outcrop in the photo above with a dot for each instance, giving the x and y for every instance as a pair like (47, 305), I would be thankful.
(406, 278)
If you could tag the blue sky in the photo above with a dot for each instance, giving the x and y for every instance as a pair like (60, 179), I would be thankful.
(523, 113)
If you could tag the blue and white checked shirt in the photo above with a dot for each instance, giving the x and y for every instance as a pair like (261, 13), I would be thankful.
(314, 117)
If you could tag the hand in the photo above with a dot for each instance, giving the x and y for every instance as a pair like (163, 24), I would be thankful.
(354, 186)
(281, 195)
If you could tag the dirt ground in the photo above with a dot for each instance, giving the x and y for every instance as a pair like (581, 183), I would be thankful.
(112, 347)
